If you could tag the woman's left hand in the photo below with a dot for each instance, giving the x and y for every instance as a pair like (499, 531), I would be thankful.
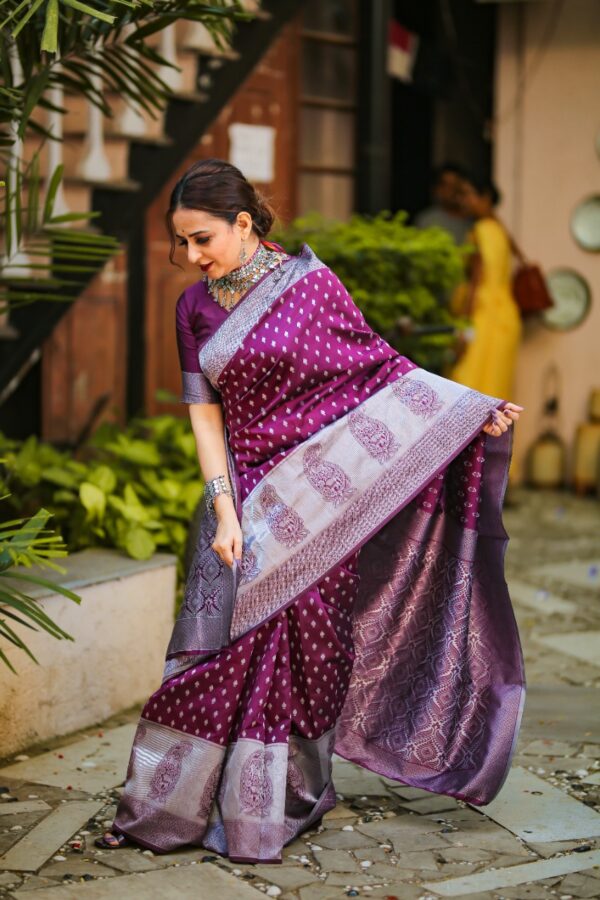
(502, 419)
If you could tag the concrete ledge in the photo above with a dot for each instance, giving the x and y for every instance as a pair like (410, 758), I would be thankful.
(121, 630)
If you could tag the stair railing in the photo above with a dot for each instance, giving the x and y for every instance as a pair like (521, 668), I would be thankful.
(15, 259)
(95, 165)
(168, 50)
(198, 37)
(56, 96)
(131, 122)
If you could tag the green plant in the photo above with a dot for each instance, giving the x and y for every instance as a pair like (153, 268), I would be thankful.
(393, 271)
(66, 42)
(90, 49)
(27, 542)
(135, 489)
(65, 256)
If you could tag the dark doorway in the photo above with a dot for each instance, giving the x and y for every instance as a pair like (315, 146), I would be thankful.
(444, 113)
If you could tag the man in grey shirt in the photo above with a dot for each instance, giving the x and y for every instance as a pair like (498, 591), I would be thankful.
(445, 211)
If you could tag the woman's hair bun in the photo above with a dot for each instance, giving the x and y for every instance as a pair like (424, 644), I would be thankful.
(219, 188)
(263, 215)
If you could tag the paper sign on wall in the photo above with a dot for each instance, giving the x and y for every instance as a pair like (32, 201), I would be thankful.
(252, 149)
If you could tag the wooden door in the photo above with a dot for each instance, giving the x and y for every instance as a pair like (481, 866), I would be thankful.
(268, 97)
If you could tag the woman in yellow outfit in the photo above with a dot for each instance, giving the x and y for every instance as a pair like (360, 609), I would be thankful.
(488, 362)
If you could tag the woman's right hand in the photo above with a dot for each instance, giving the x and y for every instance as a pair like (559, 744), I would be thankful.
(228, 538)
(502, 419)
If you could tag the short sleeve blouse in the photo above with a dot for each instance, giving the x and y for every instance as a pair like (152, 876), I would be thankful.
(196, 321)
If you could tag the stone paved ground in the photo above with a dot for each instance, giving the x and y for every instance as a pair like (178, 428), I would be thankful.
(539, 839)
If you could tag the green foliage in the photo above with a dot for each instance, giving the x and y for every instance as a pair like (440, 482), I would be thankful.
(67, 41)
(135, 489)
(66, 257)
(91, 49)
(392, 270)
(27, 543)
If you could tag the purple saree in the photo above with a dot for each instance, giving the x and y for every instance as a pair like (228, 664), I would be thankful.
(369, 614)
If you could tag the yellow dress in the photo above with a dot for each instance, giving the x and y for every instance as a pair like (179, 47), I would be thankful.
(488, 364)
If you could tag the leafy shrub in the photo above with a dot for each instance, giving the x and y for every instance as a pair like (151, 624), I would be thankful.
(135, 489)
(392, 270)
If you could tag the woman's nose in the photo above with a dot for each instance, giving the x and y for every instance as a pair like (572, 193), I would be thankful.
(193, 255)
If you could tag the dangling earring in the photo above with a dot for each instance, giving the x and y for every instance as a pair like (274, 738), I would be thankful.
(243, 252)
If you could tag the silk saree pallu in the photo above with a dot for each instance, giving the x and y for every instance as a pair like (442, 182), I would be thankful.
(369, 614)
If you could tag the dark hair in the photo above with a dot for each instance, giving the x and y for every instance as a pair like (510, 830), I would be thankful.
(218, 188)
(484, 186)
(454, 168)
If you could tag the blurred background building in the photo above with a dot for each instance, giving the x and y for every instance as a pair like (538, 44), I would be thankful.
(332, 106)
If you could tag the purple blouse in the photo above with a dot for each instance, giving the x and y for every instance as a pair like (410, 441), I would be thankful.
(197, 319)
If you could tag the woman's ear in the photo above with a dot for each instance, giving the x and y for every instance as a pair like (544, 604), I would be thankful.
(244, 223)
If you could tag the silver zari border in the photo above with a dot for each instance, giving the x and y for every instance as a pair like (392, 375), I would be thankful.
(423, 451)
(197, 389)
(221, 347)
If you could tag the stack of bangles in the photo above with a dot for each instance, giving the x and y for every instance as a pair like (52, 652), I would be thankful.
(214, 487)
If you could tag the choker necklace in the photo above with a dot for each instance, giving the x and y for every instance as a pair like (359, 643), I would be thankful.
(227, 291)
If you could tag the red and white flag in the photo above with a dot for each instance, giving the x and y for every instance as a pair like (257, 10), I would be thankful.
(403, 46)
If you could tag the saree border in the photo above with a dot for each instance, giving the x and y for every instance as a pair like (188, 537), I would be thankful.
(478, 783)
(386, 490)
(244, 799)
(224, 343)
(196, 625)
(197, 389)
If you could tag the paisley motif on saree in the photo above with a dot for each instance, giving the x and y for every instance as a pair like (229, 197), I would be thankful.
(337, 445)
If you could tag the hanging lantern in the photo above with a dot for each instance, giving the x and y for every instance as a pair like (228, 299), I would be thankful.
(586, 455)
(587, 448)
(546, 459)
(595, 405)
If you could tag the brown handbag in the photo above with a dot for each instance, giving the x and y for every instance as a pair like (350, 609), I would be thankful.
(529, 285)
(530, 290)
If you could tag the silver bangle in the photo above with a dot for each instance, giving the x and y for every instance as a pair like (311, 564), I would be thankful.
(214, 487)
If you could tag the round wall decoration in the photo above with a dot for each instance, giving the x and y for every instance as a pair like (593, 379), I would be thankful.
(572, 299)
(585, 223)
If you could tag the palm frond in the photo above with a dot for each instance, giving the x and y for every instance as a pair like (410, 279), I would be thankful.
(61, 42)
(63, 258)
(28, 543)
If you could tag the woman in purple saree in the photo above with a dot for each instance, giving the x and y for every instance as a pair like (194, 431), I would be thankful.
(348, 594)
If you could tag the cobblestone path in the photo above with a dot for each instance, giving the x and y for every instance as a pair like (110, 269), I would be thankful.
(540, 838)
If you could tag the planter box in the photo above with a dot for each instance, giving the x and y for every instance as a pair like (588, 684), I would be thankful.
(121, 630)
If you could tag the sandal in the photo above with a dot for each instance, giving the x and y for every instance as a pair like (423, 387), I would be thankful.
(111, 841)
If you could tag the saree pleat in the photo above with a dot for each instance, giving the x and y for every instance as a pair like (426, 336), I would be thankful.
(369, 613)
(234, 753)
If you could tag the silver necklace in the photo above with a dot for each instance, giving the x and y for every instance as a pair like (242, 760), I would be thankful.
(227, 290)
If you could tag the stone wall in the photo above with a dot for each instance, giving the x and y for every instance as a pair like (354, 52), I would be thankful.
(121, 630)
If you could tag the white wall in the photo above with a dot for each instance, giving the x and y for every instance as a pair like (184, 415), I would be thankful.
(545, 163)
(121, 630)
